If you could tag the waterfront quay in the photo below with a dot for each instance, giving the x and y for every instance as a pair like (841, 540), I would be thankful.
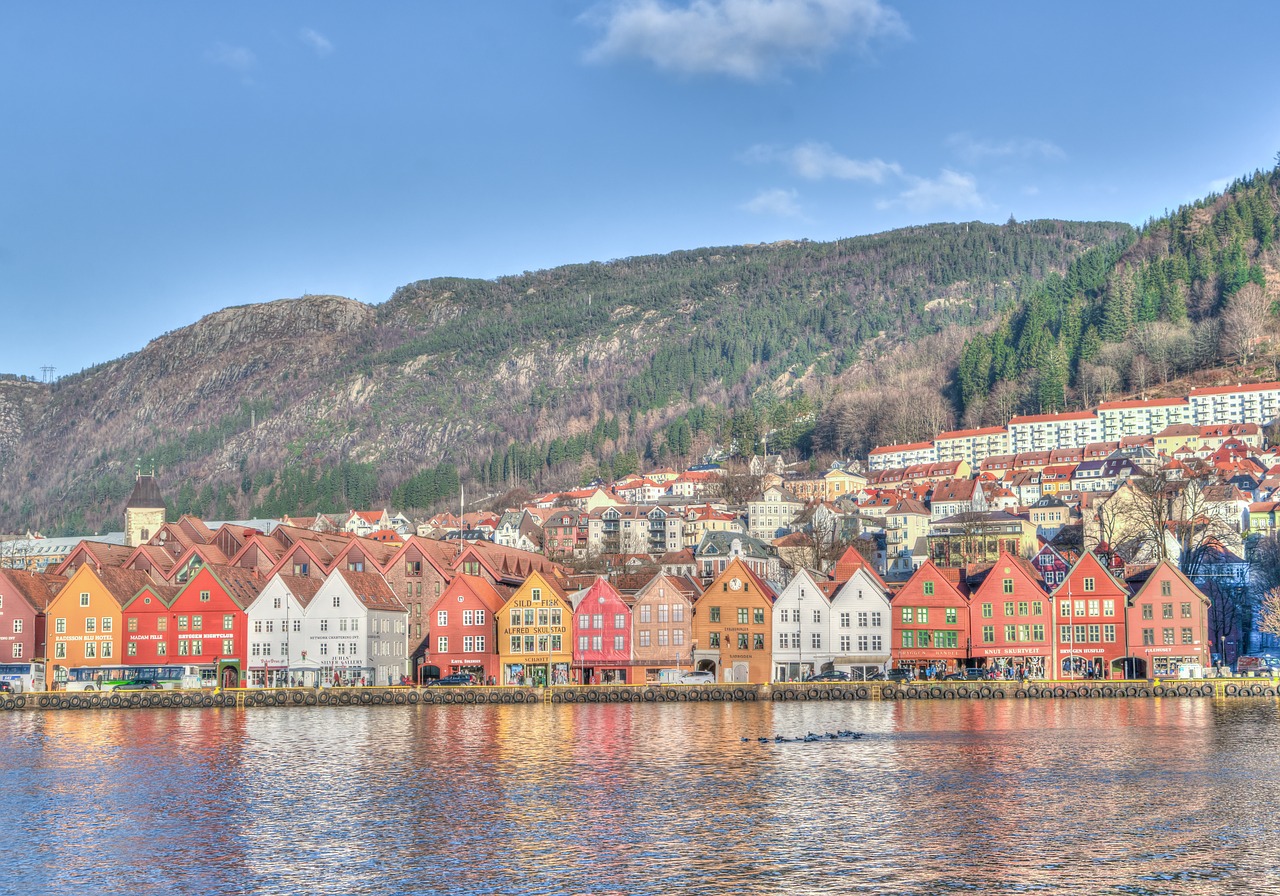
(1221, 688)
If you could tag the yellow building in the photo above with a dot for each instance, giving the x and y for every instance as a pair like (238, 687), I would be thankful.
(84, 619)
(534, 627)
(733, 626)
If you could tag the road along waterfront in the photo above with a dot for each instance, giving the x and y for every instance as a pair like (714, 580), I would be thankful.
(1170, 796)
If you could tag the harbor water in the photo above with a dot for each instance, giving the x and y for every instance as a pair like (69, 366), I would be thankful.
(1125, 796)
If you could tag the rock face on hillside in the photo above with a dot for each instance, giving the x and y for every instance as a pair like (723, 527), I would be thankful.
(458, 370)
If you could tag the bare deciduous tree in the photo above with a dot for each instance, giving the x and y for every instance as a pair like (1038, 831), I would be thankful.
(1244, 322)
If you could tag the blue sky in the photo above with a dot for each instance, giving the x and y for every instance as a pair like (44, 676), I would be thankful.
(161, 161)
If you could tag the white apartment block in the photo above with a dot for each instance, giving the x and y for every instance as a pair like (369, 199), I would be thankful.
(972, 445)
(1257, 403)
(893, 457)
(1047, 432)
(1141, 418)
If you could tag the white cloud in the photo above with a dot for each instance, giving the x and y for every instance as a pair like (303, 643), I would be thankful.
(780, 203)
(316, 41)
(239, 59)
(818, 161)
(972, 149)
(749, 39)
(949, 190)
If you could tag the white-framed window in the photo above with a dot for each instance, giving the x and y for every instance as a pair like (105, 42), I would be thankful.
(90, 625)
(468, 644)
(106, 650)
(442, 644)
(17, 650)
(90, 650)
(468, 617)
(228, 646)
(597, 645)
(17, 626)
(875, 620)
(162, 649)
(324, 625)
(277, 602)
(677, 636)
(619, 620)
(644, 637)
(324, 648)
(617, 642)
(297, 625)
(479, 617)
(816, 640)
(817, 616)
(60, 650)
(337, 600)
(84, 598)
(228, 622)
(442, 618)
(204, 597)
(479, 643)
(60, 626)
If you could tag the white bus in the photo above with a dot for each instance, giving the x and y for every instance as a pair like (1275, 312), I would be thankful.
(108, 678)
(23, 677)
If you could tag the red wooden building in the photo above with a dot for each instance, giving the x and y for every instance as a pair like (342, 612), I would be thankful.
(931, 621)
(1010, 619)
(1167, 623)
(1089, 622)
(464, 630)
(602, 635)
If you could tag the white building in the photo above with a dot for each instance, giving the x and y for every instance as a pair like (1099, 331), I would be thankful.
(892, 457)
(1047, 432)
(1256, 403)
(1121, 419)
(802, 627)
(972, 445)
(860, 624)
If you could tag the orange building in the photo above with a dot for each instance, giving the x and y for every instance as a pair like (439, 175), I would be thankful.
(84, 618)
(733, 626)
(534, 645)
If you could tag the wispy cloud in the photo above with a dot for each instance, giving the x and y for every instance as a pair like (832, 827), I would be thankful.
(972, 149)
(316, 41)
(749, 39)
(818, 161)
(238, 59)
(779, 203)
(949, 190)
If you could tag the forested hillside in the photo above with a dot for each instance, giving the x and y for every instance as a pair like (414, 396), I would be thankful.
(1189, 291)
(545, 378)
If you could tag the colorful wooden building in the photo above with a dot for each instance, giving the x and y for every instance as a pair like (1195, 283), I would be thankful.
(662, 625)
(931, 621)
(534, 627)
(733, 626)
(464, 631)
(24, 597)
(602, 635)
(1089, 622)
(1167, 623)
(85, 618)
(1011, 619)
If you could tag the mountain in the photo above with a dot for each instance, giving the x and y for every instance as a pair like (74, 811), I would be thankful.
(325, 403)
(1191, 291)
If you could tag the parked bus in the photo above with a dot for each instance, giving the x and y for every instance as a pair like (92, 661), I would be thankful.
(108, 678)
(23, 677)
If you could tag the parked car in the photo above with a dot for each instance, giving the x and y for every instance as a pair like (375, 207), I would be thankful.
(449, 681)
(899, 675)
(966, 675)
(698, 678)
(138, 684)
(832, 675)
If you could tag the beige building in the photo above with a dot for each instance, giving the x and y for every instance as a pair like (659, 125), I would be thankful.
(662, 622)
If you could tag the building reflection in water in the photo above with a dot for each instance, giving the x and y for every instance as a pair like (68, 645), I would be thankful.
(1167, 796)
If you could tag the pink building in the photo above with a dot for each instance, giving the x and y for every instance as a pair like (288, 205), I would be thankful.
(602, 634)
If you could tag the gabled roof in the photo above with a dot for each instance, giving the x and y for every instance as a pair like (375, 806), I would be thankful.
(371, 589)
(37, 589)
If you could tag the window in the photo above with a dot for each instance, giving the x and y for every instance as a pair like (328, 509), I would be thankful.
(537, 594)
(1094, 608)
(467, 617)
(442, 618)
(875, 620)
(197, 624)
(928, 587)
(228, 646)
(1166, 611)
(617, 642)
(324, 625)
(1147, 612)
(204, 597)
(131, 624)
(468, 644)
(1023, 607)
(277, 603)
(908, 639)
(1088, 584)
(1168, 635)
(337, 600)
(1011, 633)
(713, 639)
(597, 620)
(442, 644)
(677, 612)
(1166, 588)
(182, 624)
(1148, 637)
(1108, 608)
(60, 650)
(951, 615)
(131, 649)
(184, 648)
(619, 621)
(1066, 609)
(90, 625)
(876, 643)
(742, 640)
(795, 640)
(663, 612)
(1008, 608)
(162, 649)
(1186, 636)
(713, 614)
(84, 598)
(106, 650)
(757, 641)
(908, 614)
(922, 614)
(743, 615)
(988, 634)
(90, 650)
(1008, 586)
(17, 626)
(60, 626)
(1037, 608)
(924, 639)
(1037, 631)
(816, 641)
